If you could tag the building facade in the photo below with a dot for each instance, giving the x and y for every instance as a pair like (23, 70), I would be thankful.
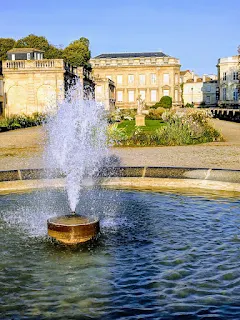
(33, 84)
(105, 92)
(149, 75)
(186, 75)
(228, 81)
(200, 91)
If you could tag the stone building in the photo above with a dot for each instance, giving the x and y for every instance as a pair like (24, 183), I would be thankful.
(198, 90)
(32, 83)
(151, 75)
(105, 92)
(228, 81)
(186, 75)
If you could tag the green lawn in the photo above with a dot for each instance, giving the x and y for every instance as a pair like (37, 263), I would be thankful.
(151, 125)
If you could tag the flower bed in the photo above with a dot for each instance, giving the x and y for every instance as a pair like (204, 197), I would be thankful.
(182, 127)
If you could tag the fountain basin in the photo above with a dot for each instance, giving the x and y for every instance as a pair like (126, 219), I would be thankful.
(73, 229)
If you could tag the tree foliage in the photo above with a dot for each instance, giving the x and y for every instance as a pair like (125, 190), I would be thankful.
(53, 53)
(33, 41)
(77, 53)
(41, 43)
(165, 102)
(5, 45)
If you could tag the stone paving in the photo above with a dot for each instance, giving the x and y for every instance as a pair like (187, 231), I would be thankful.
(23, 148)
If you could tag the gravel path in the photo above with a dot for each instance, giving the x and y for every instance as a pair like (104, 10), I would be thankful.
(22, 148)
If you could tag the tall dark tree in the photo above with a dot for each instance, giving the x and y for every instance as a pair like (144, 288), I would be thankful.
(77, 53)
(5, 45)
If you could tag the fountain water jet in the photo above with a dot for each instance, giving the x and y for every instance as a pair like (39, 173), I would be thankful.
(77, 145)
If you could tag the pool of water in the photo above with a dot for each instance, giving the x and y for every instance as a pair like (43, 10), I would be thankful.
(159, 256)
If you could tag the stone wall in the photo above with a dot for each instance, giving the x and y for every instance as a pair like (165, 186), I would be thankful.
(31, 86)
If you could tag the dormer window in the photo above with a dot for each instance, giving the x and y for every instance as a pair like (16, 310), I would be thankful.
(28, 56)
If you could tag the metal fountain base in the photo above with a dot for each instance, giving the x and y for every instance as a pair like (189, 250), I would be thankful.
(73, 229)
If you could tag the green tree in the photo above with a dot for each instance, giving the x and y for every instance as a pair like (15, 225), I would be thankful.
(53, 53)
(33, 41)
(5, 45)
(165, 102)
(40, 42)
(77, 53)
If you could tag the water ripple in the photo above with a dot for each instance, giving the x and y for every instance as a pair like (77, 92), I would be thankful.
(160, 256)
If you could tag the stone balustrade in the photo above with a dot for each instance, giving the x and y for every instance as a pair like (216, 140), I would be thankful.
(10, 65)
(134, 62)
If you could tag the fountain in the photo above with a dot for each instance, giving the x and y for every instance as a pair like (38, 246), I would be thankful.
(76, 146)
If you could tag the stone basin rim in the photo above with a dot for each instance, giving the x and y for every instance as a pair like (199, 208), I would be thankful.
(128, 177)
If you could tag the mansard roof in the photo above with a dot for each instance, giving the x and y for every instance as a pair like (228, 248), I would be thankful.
(131, 55)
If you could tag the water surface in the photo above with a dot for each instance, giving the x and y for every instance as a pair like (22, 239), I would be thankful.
(160, 256)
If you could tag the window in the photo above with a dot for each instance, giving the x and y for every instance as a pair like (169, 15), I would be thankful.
(109, 77)
(153, 78)
(119, 96)
(166, 78)
(13, 56)
(119, 79)
(208, 99)
(99, 89)
(153, 95)
(142, 94)
(208, 89)
(224, 76)
(28, 56)
(142, 79)
(235, 94)
(130, 79)
(166, 92)
(224, 94)
(235, 75)
(176, 94)
(131, 96)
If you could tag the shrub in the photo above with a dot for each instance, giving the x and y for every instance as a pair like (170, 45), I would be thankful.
(155, 114)
(194, 125)
(116, 136)
(165, 102)
(183, 126)
(128, 113)
(124, 114)
(189, 105)
(22, 121)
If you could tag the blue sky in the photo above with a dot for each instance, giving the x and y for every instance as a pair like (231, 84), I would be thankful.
(198, 32)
